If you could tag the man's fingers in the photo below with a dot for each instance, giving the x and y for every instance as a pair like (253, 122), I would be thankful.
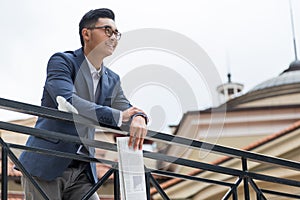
(130, 112)
(130, 141)
(141, 144)
(143, 135)
(132, 136)
(137, 143)
(134, 110)
(137, 137)
(138, 132)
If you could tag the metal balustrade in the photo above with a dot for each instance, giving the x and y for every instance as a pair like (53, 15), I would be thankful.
(242, 175)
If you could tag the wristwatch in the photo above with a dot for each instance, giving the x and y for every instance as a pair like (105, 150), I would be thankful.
(141, 114)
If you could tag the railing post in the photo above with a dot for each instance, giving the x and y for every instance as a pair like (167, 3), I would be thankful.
(147, 179)
(116, 184)
(98, 184)
(234, 194)
(4, 174)
(246, 184)
(233, 190)
(260, 195)
(158, 188)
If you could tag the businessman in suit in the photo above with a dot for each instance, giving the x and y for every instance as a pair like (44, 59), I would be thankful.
(81, 78)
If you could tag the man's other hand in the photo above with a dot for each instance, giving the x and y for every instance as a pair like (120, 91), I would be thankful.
(127, 114)
(138, 131)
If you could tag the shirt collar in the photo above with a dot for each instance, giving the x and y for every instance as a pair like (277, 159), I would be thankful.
(92, 68)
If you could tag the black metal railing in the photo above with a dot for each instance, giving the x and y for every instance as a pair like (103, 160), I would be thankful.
(242, 175)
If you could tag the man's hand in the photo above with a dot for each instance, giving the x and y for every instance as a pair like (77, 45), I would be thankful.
(138, 131)
(138, 127)
(127, 114)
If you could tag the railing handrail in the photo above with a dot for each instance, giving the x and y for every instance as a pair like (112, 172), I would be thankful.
(244, 174)
(112, 147)
(151, 135)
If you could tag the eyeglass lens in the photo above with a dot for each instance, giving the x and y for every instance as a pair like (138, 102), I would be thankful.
(109, 32)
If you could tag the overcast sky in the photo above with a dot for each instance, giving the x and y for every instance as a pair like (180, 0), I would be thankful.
(251, 38)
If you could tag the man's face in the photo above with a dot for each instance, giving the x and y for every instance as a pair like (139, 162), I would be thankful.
(101, 39)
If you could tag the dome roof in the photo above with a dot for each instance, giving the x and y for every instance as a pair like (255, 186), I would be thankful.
(288, 76)
(294, 66)
(287, 83)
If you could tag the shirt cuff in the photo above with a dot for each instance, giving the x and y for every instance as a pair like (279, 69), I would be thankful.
(120, 119)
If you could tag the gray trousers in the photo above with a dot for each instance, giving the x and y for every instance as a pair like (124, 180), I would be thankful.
(72, 185)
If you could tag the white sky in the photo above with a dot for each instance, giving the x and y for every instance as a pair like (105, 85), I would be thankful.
(253, 37)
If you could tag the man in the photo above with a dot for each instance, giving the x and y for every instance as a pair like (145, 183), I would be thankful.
(95, 92)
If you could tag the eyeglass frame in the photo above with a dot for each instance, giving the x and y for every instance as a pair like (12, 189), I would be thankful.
(116, 33)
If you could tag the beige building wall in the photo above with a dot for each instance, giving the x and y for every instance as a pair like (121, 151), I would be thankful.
(284, 144)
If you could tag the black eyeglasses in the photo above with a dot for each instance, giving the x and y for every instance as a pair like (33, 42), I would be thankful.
(108, 31)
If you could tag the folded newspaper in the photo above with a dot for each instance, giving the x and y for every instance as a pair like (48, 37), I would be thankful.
(131, 171)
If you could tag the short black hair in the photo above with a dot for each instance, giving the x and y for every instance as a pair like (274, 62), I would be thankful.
(91, 18)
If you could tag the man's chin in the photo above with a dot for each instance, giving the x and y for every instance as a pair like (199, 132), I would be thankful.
(108, 54)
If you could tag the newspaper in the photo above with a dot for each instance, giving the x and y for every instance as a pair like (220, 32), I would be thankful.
(131, 171)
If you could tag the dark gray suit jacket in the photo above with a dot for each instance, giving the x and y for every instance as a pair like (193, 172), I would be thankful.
(68, 75)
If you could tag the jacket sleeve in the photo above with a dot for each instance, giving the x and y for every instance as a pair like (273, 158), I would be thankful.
(120, 102)
(61, 72)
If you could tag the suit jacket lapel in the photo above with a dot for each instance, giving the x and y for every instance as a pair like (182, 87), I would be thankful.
(84, 72)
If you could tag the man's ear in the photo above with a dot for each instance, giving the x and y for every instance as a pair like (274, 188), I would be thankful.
(85, 34)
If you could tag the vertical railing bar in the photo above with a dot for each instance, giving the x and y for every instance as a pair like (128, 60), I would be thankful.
(116, 184)
(98, 184)
(234, 194)
(258, 196)
(147, 179)
(158, 188)
(23, 170)
(228, 193)
(232, 189)
(4, 180)
(257, 190)
(245, 178)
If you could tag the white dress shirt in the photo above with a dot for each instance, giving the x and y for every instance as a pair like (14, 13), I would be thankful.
(96, 74)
